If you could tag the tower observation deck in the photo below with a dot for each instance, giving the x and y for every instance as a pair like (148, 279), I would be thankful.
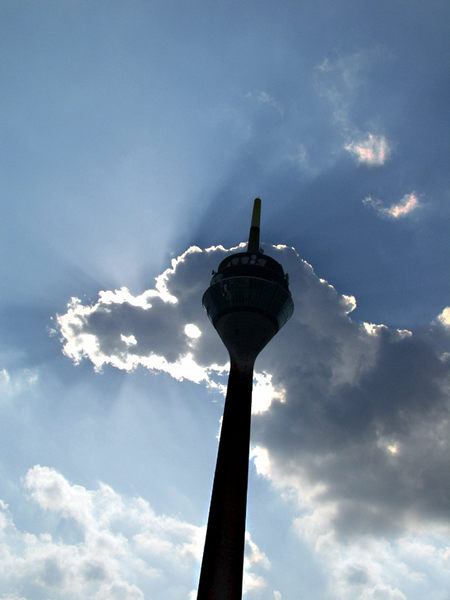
(248, 301)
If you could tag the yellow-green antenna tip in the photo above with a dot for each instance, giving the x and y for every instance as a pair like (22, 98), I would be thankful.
(253, 238)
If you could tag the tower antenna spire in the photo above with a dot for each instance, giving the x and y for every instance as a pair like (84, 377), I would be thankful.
(253, 237)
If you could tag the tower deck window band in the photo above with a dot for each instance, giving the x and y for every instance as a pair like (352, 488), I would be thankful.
(248, 293)
(248, 301)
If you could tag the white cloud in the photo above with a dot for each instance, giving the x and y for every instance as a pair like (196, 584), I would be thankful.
(351, 302)
(261, 460)
(407, 204)
(129, 340)
(373, 151)
(383, 592)
(11, 384)
(444, 317)
(413, 565)
(111, 547)
(5, 381)
(339, 81)
(264, 393)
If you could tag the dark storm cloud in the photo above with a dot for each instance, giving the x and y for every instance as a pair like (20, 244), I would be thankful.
(366, 415)
(366, 412)
(379, 445)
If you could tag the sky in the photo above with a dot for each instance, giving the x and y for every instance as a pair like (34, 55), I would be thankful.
(134, 137)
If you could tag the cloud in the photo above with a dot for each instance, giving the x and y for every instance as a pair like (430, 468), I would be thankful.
(152, 329)
(164, 329)
(108, 546)
(412, 566)
(444, 317)
(338, 82)
(265, 98)
(360, 430)
(373, 151)
(11, 384)
(407, 204)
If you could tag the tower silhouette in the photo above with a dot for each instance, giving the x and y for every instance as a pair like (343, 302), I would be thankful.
(248, 301)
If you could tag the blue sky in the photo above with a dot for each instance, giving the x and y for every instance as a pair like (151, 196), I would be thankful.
(134, 137)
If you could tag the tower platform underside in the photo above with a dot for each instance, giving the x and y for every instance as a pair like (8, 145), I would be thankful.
(247, 312)
(245, 333)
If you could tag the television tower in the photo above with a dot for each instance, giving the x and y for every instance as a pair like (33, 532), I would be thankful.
(248, 301)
